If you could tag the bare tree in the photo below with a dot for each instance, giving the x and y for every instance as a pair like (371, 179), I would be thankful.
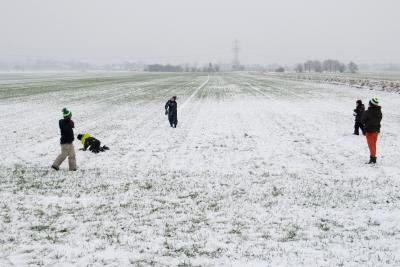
(352, 67)
(298, 68)
(330, 65)
(317, 66)
(308, 66)
(341, 67)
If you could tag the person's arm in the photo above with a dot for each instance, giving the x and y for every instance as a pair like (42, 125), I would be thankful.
(364, 118)
(86, 144)
(166, 108)
(62, 125)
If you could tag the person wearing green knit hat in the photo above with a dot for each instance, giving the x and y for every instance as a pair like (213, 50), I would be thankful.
(67, 138)
(371, 119)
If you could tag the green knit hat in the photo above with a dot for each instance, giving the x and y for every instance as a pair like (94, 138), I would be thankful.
(374, 101)
(66, 113)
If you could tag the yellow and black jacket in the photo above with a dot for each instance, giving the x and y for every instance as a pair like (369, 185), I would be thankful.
(89, 142)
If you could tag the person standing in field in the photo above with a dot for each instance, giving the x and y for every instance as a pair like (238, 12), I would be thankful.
(371, 119)
(358, 112)
(67, 138)
(171, 109)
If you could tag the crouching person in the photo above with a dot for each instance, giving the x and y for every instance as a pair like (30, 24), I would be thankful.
(67, 138)
(91, 143)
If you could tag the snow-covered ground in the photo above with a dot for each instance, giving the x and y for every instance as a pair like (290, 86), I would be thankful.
(389, 82)
(261, 171)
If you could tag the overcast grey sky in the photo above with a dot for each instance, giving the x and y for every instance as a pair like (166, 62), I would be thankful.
(175, 31)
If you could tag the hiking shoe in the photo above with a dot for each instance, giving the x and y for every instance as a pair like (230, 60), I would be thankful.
(372, 160)
(55, 168)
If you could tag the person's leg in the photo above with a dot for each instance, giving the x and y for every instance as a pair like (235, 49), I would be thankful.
(362, 128)
(170, 119)
(71, 158)
(370, 141)
(61, 157)
(175, 120)
(356, 127)
(96, 146)
(375, 140)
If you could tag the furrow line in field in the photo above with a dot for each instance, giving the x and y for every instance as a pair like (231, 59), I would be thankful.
(322, 156)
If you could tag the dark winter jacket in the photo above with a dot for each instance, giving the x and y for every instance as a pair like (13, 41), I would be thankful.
(171, 107)
(358, 112)
(67, 132)
(371, 119)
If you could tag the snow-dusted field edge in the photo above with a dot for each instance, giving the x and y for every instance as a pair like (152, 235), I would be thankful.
(260, 172)
(389, 82)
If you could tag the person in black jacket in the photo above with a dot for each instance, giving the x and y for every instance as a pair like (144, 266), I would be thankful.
(358, 112)
(371, 120)
(171, 109)
(91, 143)
(67, 137)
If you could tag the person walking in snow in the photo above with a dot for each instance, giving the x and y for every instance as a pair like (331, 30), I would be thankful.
(371, 120)
(91, 143)
(358, 112)
(67, 138)
(171, 109)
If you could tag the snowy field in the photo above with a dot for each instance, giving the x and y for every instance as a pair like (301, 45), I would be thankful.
(389, 81)
(261, 171)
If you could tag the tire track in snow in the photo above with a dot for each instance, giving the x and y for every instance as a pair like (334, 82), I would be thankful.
(177, 140)
(153, 127)
(182, 107)
(322, 155)
(288, 129)
(196, 118)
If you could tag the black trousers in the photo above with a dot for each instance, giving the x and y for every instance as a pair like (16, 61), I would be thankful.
(173, 119)
(95, 147)
(358, 125)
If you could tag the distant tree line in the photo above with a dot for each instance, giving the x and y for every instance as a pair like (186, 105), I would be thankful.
(44, 65)
(184, 68)
(328, 65)
(164, 68)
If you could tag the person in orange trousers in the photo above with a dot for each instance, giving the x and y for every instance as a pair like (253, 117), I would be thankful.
(371, 119)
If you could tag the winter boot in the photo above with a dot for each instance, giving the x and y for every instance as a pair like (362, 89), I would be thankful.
(372, 160)
(106, 147)
(55, 168)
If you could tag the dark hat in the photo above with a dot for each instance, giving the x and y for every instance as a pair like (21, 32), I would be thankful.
(359, 102)
(80, 136)
(374, 101)
(66, 113)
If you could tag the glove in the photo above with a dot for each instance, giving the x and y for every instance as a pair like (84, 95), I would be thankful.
(166, 112)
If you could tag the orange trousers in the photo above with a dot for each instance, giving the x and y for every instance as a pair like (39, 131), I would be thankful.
(371, 140)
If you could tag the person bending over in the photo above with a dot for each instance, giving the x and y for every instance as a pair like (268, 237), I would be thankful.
(91, 143)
